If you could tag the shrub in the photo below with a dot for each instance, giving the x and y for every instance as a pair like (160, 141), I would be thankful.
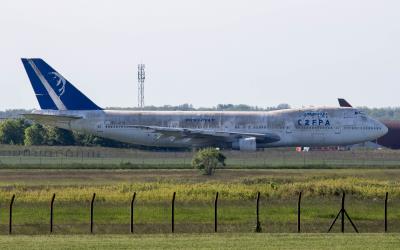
(35, 135)
(208, 159)
(12, 131)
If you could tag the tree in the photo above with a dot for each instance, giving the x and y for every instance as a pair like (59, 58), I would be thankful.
(12, 131)
(35, 135)
(207, 160)
(58, 136)
(82, 139)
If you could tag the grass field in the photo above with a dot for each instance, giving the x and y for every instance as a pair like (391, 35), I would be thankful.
(321, 189)
(74, 174)
(205, 241)
(158, 185)
(97, 157)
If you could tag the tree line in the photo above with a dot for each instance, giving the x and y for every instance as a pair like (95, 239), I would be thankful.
(23, 132)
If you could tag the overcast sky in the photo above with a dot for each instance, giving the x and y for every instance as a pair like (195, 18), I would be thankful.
(207, 52)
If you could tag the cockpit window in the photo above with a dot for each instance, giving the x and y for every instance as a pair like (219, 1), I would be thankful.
(358, 112)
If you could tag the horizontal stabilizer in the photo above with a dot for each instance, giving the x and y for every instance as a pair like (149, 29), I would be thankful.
(51, 119)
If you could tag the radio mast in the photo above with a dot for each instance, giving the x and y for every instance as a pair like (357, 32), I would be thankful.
(141, 77)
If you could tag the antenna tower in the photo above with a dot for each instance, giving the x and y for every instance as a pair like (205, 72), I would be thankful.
(141, 77)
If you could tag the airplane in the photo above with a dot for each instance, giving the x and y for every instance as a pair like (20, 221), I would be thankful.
(64, 106)
(389, 140)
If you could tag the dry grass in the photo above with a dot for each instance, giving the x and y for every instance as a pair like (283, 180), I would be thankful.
(194, 202)
(191, 186)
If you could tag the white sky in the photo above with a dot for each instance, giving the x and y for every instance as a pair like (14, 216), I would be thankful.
(207, 52)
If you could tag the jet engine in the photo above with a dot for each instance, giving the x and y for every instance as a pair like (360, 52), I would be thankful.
(245, 144)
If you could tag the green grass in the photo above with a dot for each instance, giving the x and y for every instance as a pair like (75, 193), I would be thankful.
(117, 164)
(204, 241)
(276, 216)
(195, 199)
(75, 173)
(37, 157)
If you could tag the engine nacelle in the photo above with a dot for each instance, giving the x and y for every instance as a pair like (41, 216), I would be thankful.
(245, 144)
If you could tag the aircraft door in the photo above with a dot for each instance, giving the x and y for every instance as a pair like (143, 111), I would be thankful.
(338, 129)
(173, 124)
(288, 127)
(349, 118)
(349, 114)
(100, 127)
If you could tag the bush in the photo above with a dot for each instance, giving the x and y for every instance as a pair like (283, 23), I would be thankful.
(207, 160)
(12, 131)
(35, 135)
(58, 136)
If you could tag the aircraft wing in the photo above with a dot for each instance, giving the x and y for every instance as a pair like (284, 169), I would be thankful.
(226, 136)
(51, 119)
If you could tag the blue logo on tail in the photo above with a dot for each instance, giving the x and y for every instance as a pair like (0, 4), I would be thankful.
(52, 90)
(60, 82)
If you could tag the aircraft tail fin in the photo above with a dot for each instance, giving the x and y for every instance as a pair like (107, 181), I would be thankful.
(344, 103)
(52, 90)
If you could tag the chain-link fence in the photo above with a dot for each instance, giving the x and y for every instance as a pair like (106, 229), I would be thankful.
(271, 158)
(272, 215)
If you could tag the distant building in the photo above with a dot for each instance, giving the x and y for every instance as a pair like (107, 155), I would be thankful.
(392, 138)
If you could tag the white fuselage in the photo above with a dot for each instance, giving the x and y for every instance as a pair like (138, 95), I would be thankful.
(295, 127)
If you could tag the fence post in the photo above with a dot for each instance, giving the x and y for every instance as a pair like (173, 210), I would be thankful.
(10, 218)
(51, 212)
(386, 199)
(173, 213)
(216, 213)
(258, 224)
(298, 213)
(342, 224)
(133, 200)
(343, 212)
(91, 213)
